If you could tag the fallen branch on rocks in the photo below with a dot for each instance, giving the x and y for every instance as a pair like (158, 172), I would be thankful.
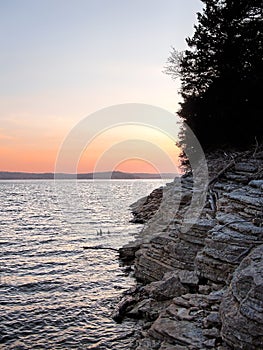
(247, 251)
(221, 172)
(232, 222)
(97, 247)
(213, 194)
(228, 166)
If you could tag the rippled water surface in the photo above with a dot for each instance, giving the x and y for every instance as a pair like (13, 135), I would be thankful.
(53, 293)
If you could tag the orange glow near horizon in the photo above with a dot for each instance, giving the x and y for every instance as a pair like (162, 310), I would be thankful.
(127, 148)
(24, 159)
(151, 151)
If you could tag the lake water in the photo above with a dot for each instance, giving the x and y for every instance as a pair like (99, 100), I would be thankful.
(53, 293)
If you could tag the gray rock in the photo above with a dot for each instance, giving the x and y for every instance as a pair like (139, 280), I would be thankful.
(213, 319)
(211, 333)
(210, 343)
(166, 346)
(147, 344)
(146, 309)
(242, 306)
(146, 207)
(237, 178)
(188, 278)
(242, 197)
(246, 167)
(168, 288)
(256, 183)
(127, 252)
(182, 333)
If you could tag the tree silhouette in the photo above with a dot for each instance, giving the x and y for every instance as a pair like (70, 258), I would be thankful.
(222, 74)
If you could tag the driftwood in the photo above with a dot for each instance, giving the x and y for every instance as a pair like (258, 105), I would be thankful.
(221, 172)
(246, 252)
(213, 194)
(229, 165)
(97, 247)
(232, 222)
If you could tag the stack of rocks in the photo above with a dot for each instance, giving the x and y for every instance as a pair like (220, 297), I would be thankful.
(204, 287)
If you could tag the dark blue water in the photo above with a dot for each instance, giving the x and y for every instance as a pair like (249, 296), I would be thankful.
(53, 293)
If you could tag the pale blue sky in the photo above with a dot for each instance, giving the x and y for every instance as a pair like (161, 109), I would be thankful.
(63, 59)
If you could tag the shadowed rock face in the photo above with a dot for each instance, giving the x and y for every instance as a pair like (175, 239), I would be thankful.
(241, 309)
(146, 207)
(204, 287)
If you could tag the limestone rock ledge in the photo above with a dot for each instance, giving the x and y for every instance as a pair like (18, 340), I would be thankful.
(146, 207)
(203, 289)
(241, 309)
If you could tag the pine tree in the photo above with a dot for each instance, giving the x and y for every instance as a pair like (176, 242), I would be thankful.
(222, 73)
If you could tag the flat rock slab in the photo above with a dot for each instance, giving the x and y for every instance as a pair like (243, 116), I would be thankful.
(183, 332)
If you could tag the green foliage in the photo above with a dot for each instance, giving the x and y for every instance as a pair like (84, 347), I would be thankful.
(222, 74)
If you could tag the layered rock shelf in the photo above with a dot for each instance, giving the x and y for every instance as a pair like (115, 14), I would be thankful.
(201, 289)
(146, 207)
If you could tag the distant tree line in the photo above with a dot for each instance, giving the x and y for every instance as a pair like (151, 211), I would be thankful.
(221, 74)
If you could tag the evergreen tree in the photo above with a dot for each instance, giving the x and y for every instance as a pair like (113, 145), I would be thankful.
(222, 74)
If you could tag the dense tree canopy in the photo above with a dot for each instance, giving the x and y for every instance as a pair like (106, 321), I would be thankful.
(222, 74)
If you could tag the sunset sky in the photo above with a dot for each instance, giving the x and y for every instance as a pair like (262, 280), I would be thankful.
(62, 60)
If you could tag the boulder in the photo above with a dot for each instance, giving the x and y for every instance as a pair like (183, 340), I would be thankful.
(168, 288)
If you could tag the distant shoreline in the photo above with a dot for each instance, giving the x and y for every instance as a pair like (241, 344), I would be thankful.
(108, 175)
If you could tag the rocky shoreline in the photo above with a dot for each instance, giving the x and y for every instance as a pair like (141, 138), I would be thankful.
(201, 289)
